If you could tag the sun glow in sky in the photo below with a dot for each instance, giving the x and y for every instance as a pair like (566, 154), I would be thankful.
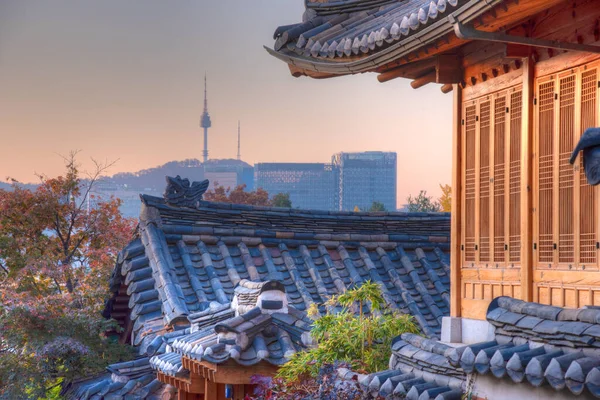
(123, 80)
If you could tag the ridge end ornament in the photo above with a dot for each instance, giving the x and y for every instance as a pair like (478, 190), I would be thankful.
(179, 192)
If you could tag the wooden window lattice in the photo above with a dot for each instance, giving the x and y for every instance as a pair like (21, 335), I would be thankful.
(484, 181)
(470, 131)
(499, 178)
(587, 216)
(566, 177)
(514, 245)
(545, 172)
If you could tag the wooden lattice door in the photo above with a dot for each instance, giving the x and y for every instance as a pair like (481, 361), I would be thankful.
(514, 185)
(492, 180)
(588, 225)
(499, 213)
(545, 172)
(470, 131)
(566, 210)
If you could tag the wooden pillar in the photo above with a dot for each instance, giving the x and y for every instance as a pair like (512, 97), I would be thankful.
(210, 390)
(238, 392)
(527, 180)
(221, 391)
(456, 217)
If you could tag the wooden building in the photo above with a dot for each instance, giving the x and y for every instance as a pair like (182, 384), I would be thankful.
(524, 77)
(525, 261)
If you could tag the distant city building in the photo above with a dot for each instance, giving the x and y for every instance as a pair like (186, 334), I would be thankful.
(229, 173)
(128, 186)
(364, 178)
(351, 180)
(310, 185)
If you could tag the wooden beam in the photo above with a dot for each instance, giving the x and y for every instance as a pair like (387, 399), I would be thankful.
(448, 68)
(447, 88)
(456, 216)
(516, 51)
(413, 70)
(424, 80)
(526, 180)
(493, 85)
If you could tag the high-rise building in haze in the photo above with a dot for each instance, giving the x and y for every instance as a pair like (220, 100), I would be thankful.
(229, 173)
(364, 178)
(205, 123)
(310, 185)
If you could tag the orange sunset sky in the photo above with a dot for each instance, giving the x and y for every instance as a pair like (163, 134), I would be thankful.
(123, 80)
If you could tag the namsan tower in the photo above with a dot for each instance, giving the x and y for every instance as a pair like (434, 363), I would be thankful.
(205, 123)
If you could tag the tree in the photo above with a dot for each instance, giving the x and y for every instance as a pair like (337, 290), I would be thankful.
(363, 341)
(377, 206)
(58, 246)
(238, 195)
(445, 201)
(281, 200)
(422, 203)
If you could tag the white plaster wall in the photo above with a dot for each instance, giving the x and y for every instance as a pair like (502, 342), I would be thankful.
(476, 331)
(492, 388)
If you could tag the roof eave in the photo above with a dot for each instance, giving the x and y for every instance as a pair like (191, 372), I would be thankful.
(308, 66)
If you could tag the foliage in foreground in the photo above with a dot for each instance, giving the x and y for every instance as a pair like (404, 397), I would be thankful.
(362, 342)
(324, 386)
(57, 250)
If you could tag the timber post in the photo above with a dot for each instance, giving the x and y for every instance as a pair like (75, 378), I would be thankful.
(527, 180)
(456, 217)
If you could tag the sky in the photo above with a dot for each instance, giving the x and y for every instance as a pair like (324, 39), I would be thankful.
(122, 81)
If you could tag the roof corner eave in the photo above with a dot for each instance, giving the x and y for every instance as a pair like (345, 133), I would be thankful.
(309, 66)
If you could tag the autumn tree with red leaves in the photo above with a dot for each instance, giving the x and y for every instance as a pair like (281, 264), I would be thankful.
(238, 195)
(58, 245)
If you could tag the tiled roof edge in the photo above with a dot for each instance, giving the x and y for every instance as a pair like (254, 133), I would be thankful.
(425, 33)
(156, 201)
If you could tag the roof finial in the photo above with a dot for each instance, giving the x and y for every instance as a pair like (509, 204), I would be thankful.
(239, 156)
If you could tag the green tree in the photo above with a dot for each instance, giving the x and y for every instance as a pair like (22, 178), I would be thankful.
(422, 203)
(377, 206)
(362, 340)
(281, 200)
(445, 200)
(57, 252)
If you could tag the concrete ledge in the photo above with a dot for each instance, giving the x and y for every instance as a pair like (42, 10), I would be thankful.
(451, 330)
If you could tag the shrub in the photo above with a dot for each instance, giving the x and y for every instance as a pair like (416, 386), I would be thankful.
(362, 341)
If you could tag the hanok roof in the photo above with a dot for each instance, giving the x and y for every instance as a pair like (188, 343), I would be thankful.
(185, 258)
(419, 369)
(198, 268)
(534, 343)
(539, 344)
(262, 327)
(349, 36)
(131, 380)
